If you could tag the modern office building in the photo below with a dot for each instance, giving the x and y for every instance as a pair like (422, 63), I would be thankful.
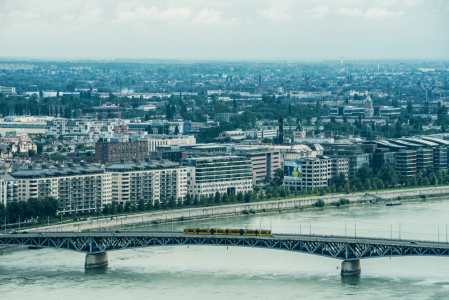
(223, 174)
(358, 155)
(312, 173)
(113, 152)
(149, 180)
(79, 188)
(264, 162)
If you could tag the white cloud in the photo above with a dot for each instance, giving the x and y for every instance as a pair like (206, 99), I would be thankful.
(17, 15)
(212, 16)
(376, 12)
(350, 11)
(317, 12)
(411, 2)
(273, 15)
(91, 16)
(153, 14)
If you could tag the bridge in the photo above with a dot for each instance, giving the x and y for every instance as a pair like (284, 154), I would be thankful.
(349, 249)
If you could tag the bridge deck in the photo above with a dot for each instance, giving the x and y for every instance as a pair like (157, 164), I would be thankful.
(345, 248)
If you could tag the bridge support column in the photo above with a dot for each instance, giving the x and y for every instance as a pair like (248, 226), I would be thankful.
(350, 267)
(96, 260)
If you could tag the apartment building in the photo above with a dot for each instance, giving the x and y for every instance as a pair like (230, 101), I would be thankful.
(79, 188)
(149, 180)
(9, 189)
(314, 172)
(264, 162)
(62, 126)
(223, 174)
(155, 140)
(113, 152)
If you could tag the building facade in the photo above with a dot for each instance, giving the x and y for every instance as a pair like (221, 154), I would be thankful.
(9, 189)
(79, 188)
(223, 174)
(113, 152)
(150, 180)
(312, 173)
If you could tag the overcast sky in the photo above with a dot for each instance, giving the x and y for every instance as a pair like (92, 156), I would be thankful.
(232, 29)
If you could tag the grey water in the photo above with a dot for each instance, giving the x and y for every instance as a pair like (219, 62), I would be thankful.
(205, 272)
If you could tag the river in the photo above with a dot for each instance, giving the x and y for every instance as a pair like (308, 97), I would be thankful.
(205, 272)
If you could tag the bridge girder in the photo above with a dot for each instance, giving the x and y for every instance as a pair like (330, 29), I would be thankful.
(92, 244)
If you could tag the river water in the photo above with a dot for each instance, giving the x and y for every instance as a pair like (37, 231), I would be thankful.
(205, 272)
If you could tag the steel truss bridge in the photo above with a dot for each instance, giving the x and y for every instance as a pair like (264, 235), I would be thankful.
(333, 247)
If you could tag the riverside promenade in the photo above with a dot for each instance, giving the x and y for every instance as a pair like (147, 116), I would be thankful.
(233, 209)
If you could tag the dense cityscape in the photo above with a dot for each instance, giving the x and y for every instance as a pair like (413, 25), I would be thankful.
(114, 137)
(171, 149)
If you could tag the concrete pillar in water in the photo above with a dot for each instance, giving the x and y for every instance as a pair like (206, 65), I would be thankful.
(96, 260)
(350, 267)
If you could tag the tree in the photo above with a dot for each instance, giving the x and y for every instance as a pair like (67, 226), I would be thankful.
(172, 202)
(333, 189)
(128, 206)
(217, 198)
(232, 198)
(113, 208)
(240, 197)
(354, 188)
(364, 173)
(224, 198)
(176, 130)
(106, 210)
(210, 199)
(319, 203)
(195, 201)
(149, 206)
(425, 181)
(283, 193)
(188, 199)
(157, 204)
(248, 197)
(31, 153)
(380, 184)
(164, 204)
(280, 174)
(387, 173)
(120, 208)
(347, 189)
(374, 187)
(203, 200)
(433, 180)
(141, 205)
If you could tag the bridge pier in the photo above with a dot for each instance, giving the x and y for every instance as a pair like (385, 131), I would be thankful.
(350, 267)
(96, 260)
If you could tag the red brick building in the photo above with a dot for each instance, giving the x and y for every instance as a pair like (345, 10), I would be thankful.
(113, 152)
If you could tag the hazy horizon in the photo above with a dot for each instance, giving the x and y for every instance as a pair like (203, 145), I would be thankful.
(198, 30)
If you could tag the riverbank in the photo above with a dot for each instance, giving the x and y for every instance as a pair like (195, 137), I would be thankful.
(238, 209)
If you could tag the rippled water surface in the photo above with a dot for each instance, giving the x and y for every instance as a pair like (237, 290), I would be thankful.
(205, 272)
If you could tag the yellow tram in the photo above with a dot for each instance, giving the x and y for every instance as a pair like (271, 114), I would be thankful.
(217, 231)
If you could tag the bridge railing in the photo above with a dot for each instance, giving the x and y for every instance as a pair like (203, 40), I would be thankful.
(168, 233)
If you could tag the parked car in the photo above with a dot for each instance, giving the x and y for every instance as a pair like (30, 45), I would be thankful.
(77, 231)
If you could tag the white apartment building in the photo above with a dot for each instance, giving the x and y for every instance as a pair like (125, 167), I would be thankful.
(62, 126)
(155, 140)
(149, 180)
(7, 90)
(223, 174)
(311, 173)
(8, 189)
(79, 188)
